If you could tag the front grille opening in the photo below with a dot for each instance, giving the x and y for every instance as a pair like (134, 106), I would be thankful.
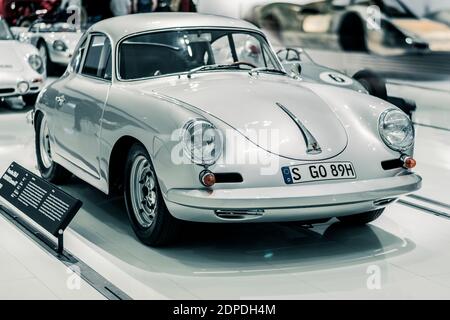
(7, 90)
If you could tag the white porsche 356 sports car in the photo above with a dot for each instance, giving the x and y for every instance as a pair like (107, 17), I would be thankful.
(55, 41)
(21, 68)
(193, 118)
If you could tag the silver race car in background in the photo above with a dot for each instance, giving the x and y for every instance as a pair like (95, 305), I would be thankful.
(171, 111)
(384, 27)
(301, 66)
(55, 41)
(22, 71)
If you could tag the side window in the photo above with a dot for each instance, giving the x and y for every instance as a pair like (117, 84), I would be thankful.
(98, 58)
(221, 51)
(75, 63)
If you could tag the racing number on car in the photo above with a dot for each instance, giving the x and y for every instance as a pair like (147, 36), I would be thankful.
(336, 79)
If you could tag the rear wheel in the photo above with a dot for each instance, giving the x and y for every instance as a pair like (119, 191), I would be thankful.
(49, 170)
(147, 211)
(362, 218)
(352, 36)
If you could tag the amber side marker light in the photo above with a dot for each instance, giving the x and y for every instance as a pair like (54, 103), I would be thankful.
(409, 163)
(207, 178)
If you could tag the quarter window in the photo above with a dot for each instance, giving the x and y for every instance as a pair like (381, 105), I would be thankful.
(98, 59)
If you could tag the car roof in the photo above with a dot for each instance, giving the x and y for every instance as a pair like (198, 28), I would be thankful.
(122, 26)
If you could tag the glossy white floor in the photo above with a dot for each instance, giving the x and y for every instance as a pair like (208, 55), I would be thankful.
(406, 249)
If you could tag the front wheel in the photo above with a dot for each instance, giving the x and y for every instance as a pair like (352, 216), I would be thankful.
(362, 218)
(373, 83)
(50, 170)
(147, 211)
(43, 53)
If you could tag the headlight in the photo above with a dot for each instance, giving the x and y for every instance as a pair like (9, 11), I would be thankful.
(36, 63)
(202, 142)
(396, 130)
(23, 87)
(59, 45)
(23, 37)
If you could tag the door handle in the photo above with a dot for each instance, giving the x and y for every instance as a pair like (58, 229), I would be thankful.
(60, 100)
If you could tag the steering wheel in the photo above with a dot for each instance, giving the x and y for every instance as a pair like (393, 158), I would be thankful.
(286, 52)
(248, 64)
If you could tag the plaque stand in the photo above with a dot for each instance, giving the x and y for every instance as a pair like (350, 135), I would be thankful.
(60, 248)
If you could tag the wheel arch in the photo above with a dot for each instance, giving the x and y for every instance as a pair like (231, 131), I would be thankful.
(117, 160)
(350, 27)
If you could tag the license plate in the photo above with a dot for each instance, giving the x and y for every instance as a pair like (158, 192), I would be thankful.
(318, 172)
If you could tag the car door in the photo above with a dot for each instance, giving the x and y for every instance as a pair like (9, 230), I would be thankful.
(80, 104)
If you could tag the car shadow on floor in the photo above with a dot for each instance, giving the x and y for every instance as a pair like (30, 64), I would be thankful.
(213, 247)
(5, 108)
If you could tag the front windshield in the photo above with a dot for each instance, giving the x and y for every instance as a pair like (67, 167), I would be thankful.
(172, 52)
(53, 27)
(5, 33)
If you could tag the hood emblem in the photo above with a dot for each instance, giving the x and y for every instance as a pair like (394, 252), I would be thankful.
(312, 146)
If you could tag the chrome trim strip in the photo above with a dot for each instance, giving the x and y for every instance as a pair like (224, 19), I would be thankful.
(312, 146)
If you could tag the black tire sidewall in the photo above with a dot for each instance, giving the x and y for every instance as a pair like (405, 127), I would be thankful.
(375, 85)
(46, 173)
(151, 234)
(48, 62)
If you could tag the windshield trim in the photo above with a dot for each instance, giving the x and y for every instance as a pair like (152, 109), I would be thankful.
(8, 30)
(179, 74)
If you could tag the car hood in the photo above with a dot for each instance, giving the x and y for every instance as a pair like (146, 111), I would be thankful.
(436, 34)
(252, 106)
(12, 59)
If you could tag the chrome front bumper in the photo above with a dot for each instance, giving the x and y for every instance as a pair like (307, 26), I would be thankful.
(298, 202)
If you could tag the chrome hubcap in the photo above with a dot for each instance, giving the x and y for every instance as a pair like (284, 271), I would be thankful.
(44, 144)
(144, 196)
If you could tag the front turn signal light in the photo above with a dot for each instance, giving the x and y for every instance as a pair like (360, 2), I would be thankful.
(409, 162)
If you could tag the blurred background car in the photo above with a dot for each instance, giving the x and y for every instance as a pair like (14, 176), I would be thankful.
(55, 42)
(442, 16)
(377, 26)
(22, 71)
(300, 65)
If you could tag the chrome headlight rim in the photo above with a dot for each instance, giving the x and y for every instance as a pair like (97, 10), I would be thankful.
(191, 151)
(59, 45)
(36, 63)
(382, 131)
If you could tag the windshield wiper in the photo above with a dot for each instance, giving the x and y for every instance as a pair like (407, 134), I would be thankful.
(266, 69)
(210, 67)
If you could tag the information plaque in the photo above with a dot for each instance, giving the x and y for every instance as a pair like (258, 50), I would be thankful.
(47, 205)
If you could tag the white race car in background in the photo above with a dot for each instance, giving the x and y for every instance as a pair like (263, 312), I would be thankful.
(22, 70)
(55, 41)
